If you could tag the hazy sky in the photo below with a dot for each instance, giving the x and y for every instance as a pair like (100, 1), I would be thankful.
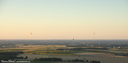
(64, 19)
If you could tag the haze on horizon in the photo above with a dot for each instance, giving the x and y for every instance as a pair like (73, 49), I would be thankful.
(63, 19)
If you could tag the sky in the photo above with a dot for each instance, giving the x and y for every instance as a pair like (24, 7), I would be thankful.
(63, 19)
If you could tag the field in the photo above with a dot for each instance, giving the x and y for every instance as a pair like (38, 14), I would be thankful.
(40, 49)
(103, 57)
(52, 62)
(50, 51)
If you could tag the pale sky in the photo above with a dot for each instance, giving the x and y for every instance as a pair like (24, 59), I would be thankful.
(64, 19)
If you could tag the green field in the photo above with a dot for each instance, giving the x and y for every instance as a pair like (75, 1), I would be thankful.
(12, 50)
(54, 52)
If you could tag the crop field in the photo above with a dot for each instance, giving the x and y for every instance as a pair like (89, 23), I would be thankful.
(49, 51)
(40, 49)
(105, 58)
(64, 57)
(28, 48)
(54, 52)
(11, 49)
(102, 57)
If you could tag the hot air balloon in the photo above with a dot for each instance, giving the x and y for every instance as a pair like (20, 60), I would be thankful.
(30, 33)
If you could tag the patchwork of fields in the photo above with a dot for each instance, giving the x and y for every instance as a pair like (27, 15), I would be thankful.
(49, 51)
(102, 57)
(105, 58)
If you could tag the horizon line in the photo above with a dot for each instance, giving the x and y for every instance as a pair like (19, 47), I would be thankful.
(63, 39)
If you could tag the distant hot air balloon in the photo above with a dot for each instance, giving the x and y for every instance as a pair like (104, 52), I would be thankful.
(93, 33)
(31, 33)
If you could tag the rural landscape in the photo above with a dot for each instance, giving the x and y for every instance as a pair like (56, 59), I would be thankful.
(63, 31)
(64, 51)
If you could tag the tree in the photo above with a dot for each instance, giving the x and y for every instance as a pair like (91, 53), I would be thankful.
(26, 57)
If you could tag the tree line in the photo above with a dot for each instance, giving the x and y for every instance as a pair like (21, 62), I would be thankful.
(48, 59)
(10, 56)
(59, 59)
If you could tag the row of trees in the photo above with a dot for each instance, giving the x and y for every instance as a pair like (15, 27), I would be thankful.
(48, 59)
(59, 59)
(9, 55)
(79, 60)
(94, 61)
(121, 54)
(76, 60)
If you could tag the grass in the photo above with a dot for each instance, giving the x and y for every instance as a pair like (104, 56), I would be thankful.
(54, 52)
(120, 50)
(14, 50)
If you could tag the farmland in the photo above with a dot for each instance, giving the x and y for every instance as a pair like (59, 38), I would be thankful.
(68, 51)
(47, 51)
